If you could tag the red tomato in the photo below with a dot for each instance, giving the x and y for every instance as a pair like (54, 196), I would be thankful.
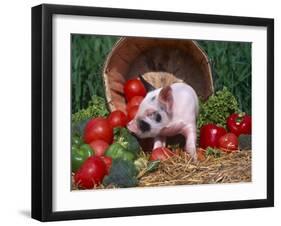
(117, 118)
(134, 87)
(132, 112)
(98, 129)
(161, 154)
(239, 124)
(135, 101)
(210, 135)
(99, 147)
(108, 162)
(91, 173)
(228, 142)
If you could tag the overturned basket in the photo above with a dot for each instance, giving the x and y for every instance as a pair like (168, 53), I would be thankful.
(172, 60)
(161, 62)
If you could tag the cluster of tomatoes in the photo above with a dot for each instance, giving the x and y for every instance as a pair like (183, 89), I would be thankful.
(214, 136)
(91, 164)
(102, 128)
(98, 135)
(134, 92)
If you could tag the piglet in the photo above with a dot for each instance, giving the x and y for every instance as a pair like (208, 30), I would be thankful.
(165, 112)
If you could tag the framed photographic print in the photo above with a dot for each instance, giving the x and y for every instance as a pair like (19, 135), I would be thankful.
(147, 112)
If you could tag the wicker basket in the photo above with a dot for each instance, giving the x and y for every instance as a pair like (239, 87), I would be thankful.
(181, 60)
(161, 62)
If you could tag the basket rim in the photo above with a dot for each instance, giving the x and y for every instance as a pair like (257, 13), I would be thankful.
(121, 40)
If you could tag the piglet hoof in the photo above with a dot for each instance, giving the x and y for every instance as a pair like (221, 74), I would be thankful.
(194, 157)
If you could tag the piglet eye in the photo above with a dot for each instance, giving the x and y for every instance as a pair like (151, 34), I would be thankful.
(158, 117)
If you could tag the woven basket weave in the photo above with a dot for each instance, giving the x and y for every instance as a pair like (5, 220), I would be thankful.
(161, 62)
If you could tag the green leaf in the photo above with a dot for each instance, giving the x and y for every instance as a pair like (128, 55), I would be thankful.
(152, 166)
(213, 152)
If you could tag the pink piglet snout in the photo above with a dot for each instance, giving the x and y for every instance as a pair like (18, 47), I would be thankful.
(132, 126)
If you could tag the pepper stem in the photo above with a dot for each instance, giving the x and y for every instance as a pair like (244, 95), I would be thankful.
(241, 114)
(240, 117)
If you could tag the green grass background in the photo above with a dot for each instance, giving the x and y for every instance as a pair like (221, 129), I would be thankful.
(231, 67)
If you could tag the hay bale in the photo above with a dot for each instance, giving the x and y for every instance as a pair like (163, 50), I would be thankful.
(180, 170)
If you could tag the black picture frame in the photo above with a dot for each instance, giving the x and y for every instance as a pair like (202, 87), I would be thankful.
(42, 108)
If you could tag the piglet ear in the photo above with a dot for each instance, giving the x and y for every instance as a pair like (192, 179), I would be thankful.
(166, 99)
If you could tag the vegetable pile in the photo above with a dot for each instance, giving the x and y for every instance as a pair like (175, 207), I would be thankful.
(217, 108)
(105, 154)
(221, 123)
(214, 136)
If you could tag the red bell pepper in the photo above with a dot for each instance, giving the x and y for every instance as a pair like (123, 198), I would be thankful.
(239, 123)
(210, 135)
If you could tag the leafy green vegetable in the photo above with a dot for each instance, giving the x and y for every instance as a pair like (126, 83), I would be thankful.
(122, 174)
(78, 128)
(213, 152)
(217, 108)
(127, 140)
(245, 142)
(96, 108)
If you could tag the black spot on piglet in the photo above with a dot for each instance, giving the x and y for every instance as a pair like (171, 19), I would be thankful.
(158, 117)
(143, 126)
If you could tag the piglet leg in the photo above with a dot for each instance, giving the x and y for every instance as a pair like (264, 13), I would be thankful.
(190, 144)
(159, 141)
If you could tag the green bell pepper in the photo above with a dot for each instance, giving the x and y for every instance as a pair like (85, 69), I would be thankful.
(116, 150)
(79, 155)
(127, 140)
